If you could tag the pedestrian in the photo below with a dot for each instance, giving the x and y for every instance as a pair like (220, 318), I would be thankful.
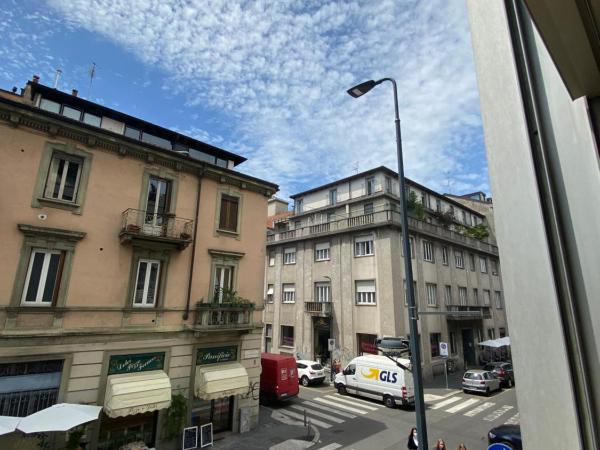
(441, 445)
(461, 446)
(337, 366)
(413, 440)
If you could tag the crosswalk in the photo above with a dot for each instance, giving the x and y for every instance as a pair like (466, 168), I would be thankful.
(471, 406)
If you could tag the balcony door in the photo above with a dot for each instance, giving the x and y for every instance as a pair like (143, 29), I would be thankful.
(157, 205)
(223, 282)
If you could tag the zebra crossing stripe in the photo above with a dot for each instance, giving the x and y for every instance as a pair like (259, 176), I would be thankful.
(462, 405)
(351, 402)
(316, 422)
(493, 416)
(318, 414)
(331, 446)
(445, 402)
(479, 409)
(332, 410)
(514, 420)
(357, 400)
(337, 405)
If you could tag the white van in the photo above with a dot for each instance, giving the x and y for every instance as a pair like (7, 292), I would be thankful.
(377, 377)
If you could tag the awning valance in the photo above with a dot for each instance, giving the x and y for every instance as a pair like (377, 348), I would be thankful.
(220, 380)
(135, 393)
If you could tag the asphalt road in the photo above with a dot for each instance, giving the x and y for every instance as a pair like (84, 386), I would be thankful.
(355, 423)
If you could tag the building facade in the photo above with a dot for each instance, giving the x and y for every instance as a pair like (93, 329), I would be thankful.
(132, 273)
(538, 71)
(335, 270)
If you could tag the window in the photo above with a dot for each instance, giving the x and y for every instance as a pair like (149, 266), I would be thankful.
(448, 294)
(322, 251)
(483, 264)
(428, 252)
(368, 208)
(363, 245)
(132, 133)
(494, 267)
(388, 185)
(268, 337)
(223, 282)
(462, 295)
(49, 105)
(322, 292)
(472, 262)
(486, 297)
(146, 286)
(406, 293)
(271, 258)
(411, 243)
(289, 293)
(479, 335)
(445, 255)
(434, 341)
(270, 292)
(431, 290)
(491, 333)
(63, 177)
(299, 206)
(158, 202)
(287, 336)
(155, 140)
(452, 343)
(228, 215)
(370, 185)
(289, 255)
(475, 296)
(332, 196)
(438, 205)
(502, 332)
(365, 292)
(42, 281)
(464, 217)
(91, 119)
(498, 299)
(458, 259)
(71, 113)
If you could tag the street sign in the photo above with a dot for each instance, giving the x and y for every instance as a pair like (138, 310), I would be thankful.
(444, 349)
(499, 447)
(331, 344)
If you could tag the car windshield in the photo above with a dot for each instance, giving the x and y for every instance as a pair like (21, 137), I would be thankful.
(472, 376)
(317, 367)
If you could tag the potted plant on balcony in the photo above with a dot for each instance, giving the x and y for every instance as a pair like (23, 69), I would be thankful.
(444, 218)
(185, 236)
(414, 207)
(132, 228)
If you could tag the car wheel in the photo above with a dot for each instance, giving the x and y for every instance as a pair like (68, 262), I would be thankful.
(465, 391)
(389, 401)
(342, 389)
(305, 381)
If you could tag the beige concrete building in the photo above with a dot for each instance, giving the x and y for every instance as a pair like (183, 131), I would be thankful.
(335, 270)
(128, 253)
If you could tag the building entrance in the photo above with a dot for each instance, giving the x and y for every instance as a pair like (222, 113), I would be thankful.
(468, 347)
(321, 332)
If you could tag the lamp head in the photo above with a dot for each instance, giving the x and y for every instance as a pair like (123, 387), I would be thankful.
(362, 88)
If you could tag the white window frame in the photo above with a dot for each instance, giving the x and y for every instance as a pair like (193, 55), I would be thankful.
(462, 296)
(448, 294)
(271, 258)
(364, 245)
(39, 300)
(365, 292)
(444, 255)
(146, 302)
(288, 293)
(483, 264)
(51, 179)
(322, 292)
(498, 299)
(475, 296)
(406, 293)
(322, 251)
(270, 296)
(431, 292)
(333, 196)
(472, 266)
(428, 251)
(370, 186)
(459, 259)
(289, 255)
(224, 279)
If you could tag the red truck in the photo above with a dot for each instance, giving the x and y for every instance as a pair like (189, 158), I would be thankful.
(279, 378)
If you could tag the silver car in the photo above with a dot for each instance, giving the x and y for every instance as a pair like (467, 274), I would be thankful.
(480, 381)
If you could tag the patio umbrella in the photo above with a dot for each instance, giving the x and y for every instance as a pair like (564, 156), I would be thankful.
(504, 341)
(8, 424)
(60, 417)
(491, 343)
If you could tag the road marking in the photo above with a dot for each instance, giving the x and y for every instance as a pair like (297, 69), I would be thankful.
(493, 416)
(445, 402)
(514, 420)
(333, 410)
(351, 402)
(462, 405)
(331, 446)
(319, 414)
(359, 400)
(337, 405)
(318, 388)
(317, 422)
(435, 397)
(479, 409)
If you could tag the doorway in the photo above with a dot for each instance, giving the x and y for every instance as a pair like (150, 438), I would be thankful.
(157, 205)
(468, 347)
(321, 333)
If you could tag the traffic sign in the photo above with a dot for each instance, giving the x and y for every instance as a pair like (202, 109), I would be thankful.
(331, 344)
(499, 446)
(444, 349)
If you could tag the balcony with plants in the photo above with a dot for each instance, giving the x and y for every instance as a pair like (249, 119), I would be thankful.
(164, 230)
(226, 311)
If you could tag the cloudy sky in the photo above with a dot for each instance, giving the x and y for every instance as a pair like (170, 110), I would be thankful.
(268, 79)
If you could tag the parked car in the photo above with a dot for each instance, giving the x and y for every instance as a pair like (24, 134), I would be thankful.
(504, 370)
(310, 372)
(509, 435)
(480, 381)
(279, 378)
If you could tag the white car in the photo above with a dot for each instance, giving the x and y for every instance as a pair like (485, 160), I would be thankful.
(310, 372)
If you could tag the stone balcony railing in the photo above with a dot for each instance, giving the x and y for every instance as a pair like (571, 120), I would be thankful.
(318, 308)
(473, 312)
(223, 316)
(383, 217)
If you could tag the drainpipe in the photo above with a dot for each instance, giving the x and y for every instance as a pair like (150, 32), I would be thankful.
(186, 314)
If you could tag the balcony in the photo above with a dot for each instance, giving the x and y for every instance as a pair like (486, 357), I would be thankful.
(456, 312)
(223, 316)
(160, 230)
(318, 308)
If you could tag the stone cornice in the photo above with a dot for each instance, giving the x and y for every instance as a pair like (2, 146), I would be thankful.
(33, 231)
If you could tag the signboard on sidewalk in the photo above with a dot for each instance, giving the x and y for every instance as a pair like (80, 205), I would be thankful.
(206, 435)
(190, 438)
(444, 349)
(331, 344)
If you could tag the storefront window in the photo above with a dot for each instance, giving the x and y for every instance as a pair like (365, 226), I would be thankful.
(115, 433)
(218, 412)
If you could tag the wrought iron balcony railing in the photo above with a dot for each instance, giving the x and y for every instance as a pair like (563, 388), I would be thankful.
(219, 316)
(136, 223)
(468, 312)
(323, 308)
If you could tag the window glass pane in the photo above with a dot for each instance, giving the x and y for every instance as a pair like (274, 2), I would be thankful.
(221, 162)
(70, 181)
(91, 119)
(35, 276)
(141, 279)
(71, 113)
(155, 140)
(59, 176)
(132, 133)
(151, 297)
(53, 266)
(49, 105)
(201, 156)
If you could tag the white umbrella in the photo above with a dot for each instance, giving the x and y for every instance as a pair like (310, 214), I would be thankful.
(504, 341)
(491, 343)
(60, 417)
(8, 424)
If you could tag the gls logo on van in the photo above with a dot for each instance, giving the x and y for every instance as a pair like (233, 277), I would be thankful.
(382, 375)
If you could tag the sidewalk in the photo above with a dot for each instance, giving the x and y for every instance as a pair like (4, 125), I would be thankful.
(437, 385)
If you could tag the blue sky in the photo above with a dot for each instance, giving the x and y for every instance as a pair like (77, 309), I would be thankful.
(268, 79)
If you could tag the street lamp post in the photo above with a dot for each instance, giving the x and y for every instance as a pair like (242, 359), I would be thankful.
(356, 92)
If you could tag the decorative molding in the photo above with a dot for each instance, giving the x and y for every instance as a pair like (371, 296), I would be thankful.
(225, 253)
(32, 231)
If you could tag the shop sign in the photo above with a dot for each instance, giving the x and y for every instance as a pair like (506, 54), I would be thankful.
(136, 363)
(216, 355)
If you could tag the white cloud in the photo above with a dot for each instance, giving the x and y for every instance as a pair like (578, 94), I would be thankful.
(279, 70)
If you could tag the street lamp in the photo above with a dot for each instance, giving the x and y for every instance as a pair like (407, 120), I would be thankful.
(357, 91)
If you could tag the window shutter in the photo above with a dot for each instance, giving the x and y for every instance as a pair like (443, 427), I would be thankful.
(229, 213)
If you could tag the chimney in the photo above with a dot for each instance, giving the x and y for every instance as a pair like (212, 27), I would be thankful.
(74, 92)
(36, 79)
